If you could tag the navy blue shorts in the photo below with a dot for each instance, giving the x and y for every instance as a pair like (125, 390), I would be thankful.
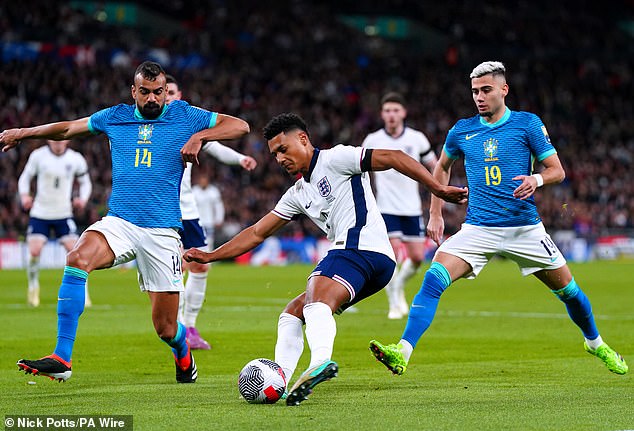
(193, 234)
(404, 226)
(60, 227)
(362, 272)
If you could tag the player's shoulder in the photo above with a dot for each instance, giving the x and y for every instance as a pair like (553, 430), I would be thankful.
(466, 124)
(524, 117)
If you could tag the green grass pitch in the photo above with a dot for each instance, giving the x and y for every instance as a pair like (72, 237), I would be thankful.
(500, 355)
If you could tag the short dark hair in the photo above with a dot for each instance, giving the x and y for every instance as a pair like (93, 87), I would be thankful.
(283, 123)
(393, 96)
(169, 79)
(149, 70)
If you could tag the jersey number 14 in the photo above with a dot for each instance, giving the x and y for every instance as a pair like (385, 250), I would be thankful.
(145, 158)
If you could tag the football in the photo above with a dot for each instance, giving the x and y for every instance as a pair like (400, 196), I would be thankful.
(261, 381)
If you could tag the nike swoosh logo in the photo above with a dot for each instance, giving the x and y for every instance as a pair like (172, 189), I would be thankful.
(308, 204)
(468, 136)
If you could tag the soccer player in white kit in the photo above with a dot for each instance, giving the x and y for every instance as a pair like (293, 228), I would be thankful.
(335, 193)
(398, 196)
(499, 147)
(56, 168)
(193, 235)
(210, 206)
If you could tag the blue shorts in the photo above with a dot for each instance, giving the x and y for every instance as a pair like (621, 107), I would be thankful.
(193, 234)
(60, 227)
(362, 272)
(405, 227)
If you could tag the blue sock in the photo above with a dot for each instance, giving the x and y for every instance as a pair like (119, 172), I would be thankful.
(178, 343)
(70, 305)
(425, 303)
(579, 308)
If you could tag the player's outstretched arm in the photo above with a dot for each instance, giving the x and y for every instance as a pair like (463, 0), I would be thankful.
(56, 131)
(552, 174)
(396, 159)
(244, 241)
(227, 127)
(229, 156)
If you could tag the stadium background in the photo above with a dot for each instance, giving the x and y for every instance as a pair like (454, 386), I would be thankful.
(569, 62)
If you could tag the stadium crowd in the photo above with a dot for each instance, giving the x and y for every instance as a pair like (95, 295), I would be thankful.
(254, 61)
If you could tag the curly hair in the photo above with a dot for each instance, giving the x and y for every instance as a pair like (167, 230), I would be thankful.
(283, 123)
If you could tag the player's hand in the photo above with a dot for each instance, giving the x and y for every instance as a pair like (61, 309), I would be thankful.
(248, 163)
(190, 150)
(456, 195)
(26, 201)
(10, 138)
(195, 255)
(436, 228)
(526, 189)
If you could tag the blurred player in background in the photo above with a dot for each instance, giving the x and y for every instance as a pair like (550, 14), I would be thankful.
(210, 206)
(193, 235)
(398, 196)
(335, 193)
(56, 167)
(149, 141)
(499, 147)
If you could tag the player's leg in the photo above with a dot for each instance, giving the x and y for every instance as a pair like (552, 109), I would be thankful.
(290, 336)
(563, 285)
(160, 274)
(413, 241)
(193, 236)
(35, 243)
(172, 332)
(68, 242)
(443, 271)
(463, 255)
(340, 279)
(91, 252)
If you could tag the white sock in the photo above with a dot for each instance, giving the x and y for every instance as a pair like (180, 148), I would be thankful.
(390, 290)
(594, 344)
(290, 343)
(406, 350)
(195, 288)
(320, 332)
(33, 272)
(406, 272)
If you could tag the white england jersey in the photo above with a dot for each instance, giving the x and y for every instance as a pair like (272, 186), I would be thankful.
(337, 196)
(396, 193)
(55, 178)
(210, 206)
(216, 149)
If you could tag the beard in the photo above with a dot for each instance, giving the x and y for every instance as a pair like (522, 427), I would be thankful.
(487, 114)
(150, 110)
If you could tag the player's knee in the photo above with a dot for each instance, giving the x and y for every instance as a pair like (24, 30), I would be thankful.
(296, 308)
(198, 268)
(78, 259)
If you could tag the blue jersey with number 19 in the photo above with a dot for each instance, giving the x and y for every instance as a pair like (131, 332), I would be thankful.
(146, 162)
(493, 155)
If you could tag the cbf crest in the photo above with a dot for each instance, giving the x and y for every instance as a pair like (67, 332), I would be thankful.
(490, 150)
(145, 134)
(324, 187)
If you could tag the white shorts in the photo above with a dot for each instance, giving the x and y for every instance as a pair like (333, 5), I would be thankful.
(157, 252)
(528, 246)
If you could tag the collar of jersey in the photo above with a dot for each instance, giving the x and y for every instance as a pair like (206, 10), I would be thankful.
(505, 117)
(313, 162)
(138, 116)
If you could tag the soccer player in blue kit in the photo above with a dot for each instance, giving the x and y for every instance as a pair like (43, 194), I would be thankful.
(334, 192)
(150, 142)
(499, 147)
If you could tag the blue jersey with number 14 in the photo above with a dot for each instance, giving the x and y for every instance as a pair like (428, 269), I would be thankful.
(493, 155)
(146, 162)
